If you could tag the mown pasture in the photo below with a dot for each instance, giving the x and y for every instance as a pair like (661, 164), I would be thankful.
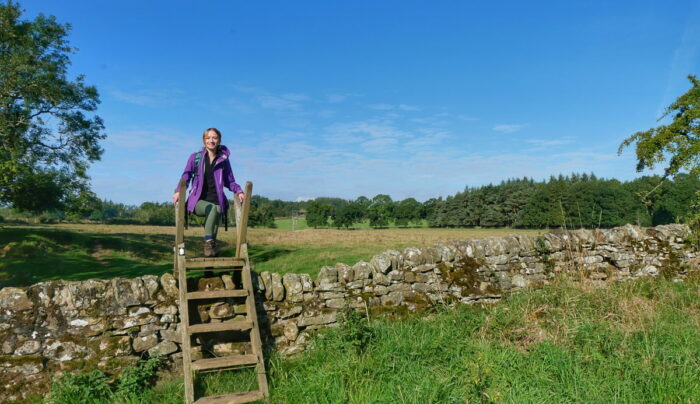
(34, 253)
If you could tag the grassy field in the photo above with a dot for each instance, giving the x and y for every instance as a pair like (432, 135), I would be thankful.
(632, 342)
(300, 224)
(34, 253)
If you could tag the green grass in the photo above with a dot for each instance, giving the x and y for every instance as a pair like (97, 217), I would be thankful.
(286, 224)
(35, 253)
(31, 255)
(308, 259)
(633, 342)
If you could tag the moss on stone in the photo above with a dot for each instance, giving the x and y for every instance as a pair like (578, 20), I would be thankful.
(19, 360)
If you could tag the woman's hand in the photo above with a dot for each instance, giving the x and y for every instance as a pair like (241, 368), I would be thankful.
(176, 197)
(241, 197)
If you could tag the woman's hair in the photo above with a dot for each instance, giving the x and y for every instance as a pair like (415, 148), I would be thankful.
(212, 129)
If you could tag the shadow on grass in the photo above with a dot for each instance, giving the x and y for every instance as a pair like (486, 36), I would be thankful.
(263, 253)
(257, 253)
(34, 255)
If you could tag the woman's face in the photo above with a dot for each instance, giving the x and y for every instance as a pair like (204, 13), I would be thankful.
(211, 140)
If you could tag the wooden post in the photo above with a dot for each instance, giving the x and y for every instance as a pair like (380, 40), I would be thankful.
(242, 222)
(179, 222)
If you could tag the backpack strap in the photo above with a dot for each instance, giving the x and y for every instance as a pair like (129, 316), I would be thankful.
(197, 159)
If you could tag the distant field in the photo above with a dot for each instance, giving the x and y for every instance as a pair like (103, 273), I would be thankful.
(34, 253)
(300, 224)
(289, 224)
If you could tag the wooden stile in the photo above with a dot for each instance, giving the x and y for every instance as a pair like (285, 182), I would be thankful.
(241, 263)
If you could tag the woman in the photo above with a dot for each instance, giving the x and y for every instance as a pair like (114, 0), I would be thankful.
(211, 170)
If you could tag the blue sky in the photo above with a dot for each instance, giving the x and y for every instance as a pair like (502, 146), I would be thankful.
(410, 98)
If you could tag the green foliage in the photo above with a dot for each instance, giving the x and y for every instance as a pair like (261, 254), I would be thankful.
(575, 201)
(380, 211)
(82, 205)
(408, 211)
(46, 139)
(94, 386)
(356, 331)
(347, 214)
(692, 219)
(90, 387)
(154, 213)
(679, 141)
(317, 214)
(134, 380)
(262, 212)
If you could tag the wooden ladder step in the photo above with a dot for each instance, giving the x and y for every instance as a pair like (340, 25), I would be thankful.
(192, 263)
(216, 327)
(224, 362)
(217, 294)
(234, 398)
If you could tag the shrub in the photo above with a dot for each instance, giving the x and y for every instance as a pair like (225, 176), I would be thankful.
(84, 388)
(356, 330)
(135, 379)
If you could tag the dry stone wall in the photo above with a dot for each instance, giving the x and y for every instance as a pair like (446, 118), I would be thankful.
(109, 324)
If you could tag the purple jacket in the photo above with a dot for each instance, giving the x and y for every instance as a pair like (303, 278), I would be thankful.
(223, 176)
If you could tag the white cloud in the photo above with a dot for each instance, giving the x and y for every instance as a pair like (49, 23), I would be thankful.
(326, 113)
(294, 165)
(380, 145)
(333, 98)
(148, 97)
(239, 106)
(550, 142)
(508, 128)
(430, 138)
(284, 102)
(340, 97)
(466, 117)
(391, 107)
(381, 107)
(361, 131)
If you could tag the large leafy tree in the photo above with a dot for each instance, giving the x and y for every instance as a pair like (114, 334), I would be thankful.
(317, 214)
(48, 134)
(347, 215)
(408, 211)
(380, 211)
(677, 143)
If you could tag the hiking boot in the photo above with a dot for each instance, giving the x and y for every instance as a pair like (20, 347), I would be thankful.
(210, 248)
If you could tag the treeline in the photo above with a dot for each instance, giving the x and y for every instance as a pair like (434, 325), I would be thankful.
(380, 211)
(578, 200)
(148, 213)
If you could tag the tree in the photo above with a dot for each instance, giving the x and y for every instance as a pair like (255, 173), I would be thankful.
(380, 211)
(347, 215)
(46, 137)
(678, 141)
(317, 214)
(262, 212)
(408, 211)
